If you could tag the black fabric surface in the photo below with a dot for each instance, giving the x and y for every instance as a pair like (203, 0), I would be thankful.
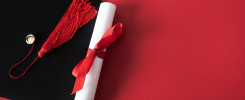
(50, 78)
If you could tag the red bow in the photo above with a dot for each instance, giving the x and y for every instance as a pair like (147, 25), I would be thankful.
(83, 67)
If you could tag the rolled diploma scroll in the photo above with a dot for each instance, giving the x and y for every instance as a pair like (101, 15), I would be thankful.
(103, 23)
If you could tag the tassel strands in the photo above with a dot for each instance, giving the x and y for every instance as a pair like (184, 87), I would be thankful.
(78, 14)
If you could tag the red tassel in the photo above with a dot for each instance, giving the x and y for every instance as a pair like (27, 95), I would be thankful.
(78, 14)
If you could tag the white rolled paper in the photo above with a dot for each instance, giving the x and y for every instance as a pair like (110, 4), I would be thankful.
(103, 23)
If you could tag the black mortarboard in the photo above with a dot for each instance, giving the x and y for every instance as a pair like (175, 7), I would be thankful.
(49, 78)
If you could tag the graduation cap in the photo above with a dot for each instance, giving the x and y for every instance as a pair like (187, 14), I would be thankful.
(51, 77)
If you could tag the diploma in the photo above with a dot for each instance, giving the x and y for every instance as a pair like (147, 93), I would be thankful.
(103, 23)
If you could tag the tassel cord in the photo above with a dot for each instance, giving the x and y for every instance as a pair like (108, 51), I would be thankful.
(10, 70)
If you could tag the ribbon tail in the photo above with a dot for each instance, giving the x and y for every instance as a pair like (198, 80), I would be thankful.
(81, 70)
(78, 84)
(75, 71)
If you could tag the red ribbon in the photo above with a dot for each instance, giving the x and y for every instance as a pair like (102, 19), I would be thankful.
(83, 67)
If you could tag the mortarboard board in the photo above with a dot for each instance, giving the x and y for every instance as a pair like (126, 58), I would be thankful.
(50, 78)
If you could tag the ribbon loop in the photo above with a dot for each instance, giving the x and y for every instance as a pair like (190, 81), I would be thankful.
(82, 68)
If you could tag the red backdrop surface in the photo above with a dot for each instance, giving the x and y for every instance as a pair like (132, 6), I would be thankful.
(176, 50)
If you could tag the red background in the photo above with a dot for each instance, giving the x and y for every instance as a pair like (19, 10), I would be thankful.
(176, 50)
